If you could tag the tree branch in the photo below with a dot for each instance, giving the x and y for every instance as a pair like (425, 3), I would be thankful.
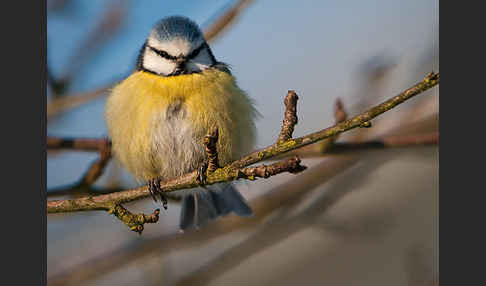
(237, 169)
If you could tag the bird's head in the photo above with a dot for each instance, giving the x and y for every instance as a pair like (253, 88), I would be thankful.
(175, 46)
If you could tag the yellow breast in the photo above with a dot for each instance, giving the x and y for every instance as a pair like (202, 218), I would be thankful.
(157, 124)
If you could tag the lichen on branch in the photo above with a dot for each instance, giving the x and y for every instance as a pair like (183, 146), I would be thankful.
(134, 221)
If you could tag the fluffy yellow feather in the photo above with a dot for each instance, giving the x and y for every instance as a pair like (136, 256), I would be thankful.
(157, 124)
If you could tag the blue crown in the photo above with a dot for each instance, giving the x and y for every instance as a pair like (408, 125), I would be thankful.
(172, 27)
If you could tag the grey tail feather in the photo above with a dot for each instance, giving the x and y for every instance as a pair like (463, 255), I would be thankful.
(202, 206)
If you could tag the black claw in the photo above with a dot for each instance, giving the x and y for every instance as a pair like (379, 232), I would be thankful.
(201, 176)
(154, 189)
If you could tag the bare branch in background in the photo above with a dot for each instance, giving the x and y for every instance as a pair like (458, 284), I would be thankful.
(84, 185)
(225, 20)
(97, 168)
(340, 115)
(236, 169)
(385, 142)
(81, 144)
(339, 112)
(388, 142)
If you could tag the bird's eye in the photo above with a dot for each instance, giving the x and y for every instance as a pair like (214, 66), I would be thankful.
(195, 52)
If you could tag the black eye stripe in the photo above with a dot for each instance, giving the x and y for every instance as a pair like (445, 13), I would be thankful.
(163, 54)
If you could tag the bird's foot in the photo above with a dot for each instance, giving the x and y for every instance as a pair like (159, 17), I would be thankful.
(201, 173)
(154, 189)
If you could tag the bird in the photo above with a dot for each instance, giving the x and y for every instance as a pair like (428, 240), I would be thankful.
(158, 116)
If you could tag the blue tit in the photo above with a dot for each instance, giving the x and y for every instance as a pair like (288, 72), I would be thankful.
(158, 116)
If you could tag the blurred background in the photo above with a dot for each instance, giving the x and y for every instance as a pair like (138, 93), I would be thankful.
(364, 217)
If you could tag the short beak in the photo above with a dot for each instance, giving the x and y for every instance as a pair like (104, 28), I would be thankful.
(181, 66)
(180, 60)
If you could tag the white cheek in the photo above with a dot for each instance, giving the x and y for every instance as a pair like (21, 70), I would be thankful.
(157, 64)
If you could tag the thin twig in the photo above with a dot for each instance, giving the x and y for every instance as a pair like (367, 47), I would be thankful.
(236, 169)
(97, 168)
(83, 186)
(80, 144)
(291, 165)
(340, 115)
(388, 142)
(225, 20)
(134, 221)
(290, 117)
